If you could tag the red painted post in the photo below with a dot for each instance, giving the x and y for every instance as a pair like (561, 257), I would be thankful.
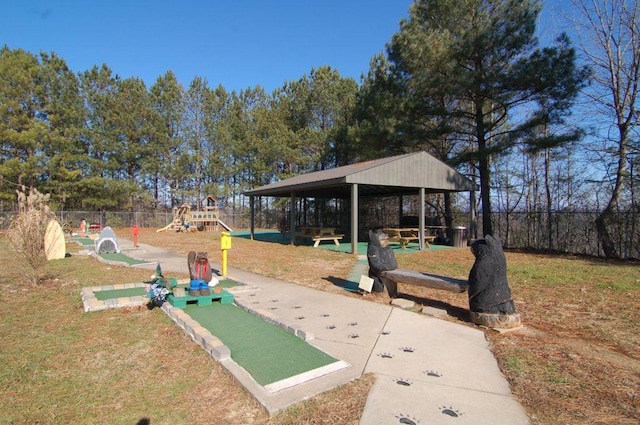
(135, 231)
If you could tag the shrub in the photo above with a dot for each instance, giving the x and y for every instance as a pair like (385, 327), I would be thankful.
(27, 230)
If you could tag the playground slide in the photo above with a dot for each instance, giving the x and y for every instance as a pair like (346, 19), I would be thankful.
(164, 228)
(221, 223)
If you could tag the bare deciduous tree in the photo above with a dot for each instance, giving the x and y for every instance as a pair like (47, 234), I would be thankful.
(610, 42)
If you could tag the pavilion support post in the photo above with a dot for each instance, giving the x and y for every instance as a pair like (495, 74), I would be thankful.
(421, 198)
(354, 219)
(400, 209)
(292, 219)
(253, 215)
(473, 222)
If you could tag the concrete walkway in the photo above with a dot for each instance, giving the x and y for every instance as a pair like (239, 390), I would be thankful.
(429, 371)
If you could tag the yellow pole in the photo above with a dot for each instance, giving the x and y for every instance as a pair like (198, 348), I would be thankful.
(224, 263)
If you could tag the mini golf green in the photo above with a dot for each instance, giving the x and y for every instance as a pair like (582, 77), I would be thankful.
(116, 256)
(119, 293)
(86, 241)
(133, 292)
(268, 352)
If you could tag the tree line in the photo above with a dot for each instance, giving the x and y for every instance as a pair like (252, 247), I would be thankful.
(465, 80)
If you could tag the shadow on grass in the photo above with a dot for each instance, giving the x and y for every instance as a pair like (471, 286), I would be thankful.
(347, 285)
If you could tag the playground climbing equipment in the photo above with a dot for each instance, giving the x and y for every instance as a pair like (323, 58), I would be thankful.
(208, 219)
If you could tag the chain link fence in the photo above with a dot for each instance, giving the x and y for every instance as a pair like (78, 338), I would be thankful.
(126, 219)
(566, 232)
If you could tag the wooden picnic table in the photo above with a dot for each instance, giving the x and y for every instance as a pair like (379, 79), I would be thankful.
(318, 234)
(406, 235)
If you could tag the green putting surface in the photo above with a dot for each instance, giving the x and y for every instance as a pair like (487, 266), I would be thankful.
(275, 236)
(115, 256)
(119, 293)
(268, 352)
(86, 241)
(133, 292)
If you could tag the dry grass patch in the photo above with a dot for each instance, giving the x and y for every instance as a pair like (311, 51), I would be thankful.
(61, 365)
(576, 362)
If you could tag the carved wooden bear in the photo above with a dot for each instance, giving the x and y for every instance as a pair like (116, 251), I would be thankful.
(490, 300)
(380, 256)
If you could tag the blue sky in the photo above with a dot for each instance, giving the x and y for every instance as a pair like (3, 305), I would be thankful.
(239, 43)
(236, 43)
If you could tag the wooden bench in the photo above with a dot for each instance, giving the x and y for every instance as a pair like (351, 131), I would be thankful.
(391, 278)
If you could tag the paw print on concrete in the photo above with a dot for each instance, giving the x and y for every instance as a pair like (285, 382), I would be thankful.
(406, 419)
(331, 327)
(450, 411)
(407, 349)
(385, 333)
(385, 355)
(353, 323)
(299, 317)
(354, 336)
(433, 373)
(324, 315)
(403, 382)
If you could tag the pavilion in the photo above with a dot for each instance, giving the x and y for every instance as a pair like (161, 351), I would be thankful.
(408, 174)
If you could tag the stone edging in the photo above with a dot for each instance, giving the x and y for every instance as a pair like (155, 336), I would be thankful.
(211, 344)
(92, 303)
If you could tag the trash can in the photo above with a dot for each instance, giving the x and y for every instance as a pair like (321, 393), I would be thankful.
(459, 236)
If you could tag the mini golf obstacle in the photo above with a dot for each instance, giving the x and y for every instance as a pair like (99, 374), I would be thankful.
(54, 242)
(107, 242)
(202, 300)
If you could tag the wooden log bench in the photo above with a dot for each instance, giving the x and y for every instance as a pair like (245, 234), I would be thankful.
(391, 278)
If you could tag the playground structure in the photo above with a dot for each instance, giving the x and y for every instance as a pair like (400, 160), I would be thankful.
(208, 220)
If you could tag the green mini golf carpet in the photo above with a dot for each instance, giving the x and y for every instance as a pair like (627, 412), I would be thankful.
(268, 352)
(85, 241)
(119, 293)
(116, 256)
(133, 292)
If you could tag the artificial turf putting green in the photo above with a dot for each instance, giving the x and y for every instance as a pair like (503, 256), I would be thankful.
(119, 293)
(116, 256)
(268, 352)
(133, 292)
